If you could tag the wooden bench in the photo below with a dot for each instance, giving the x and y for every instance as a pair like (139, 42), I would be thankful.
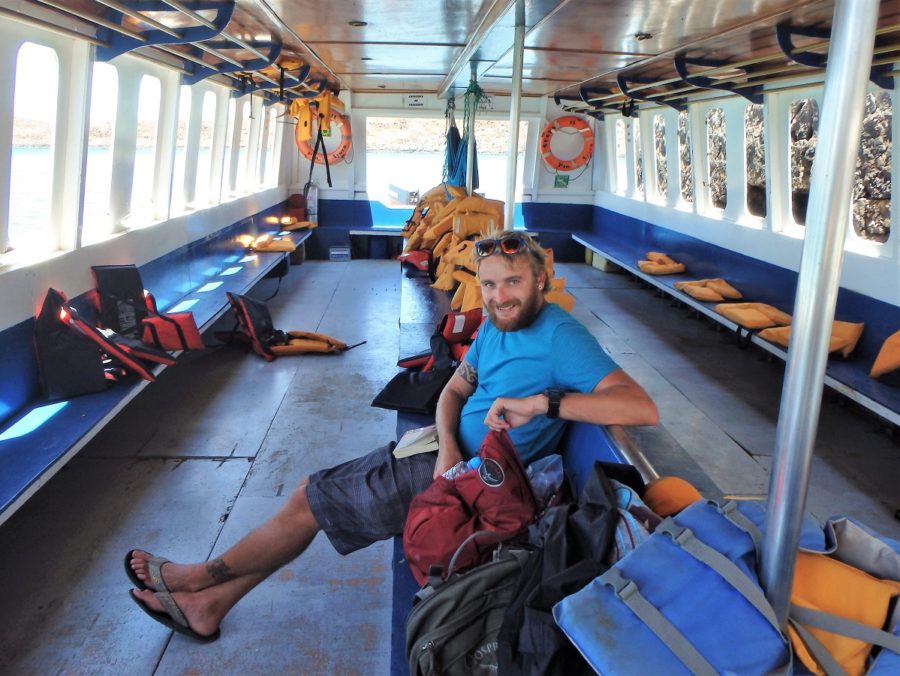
(420, 309)
(624, 243)
(37, 437)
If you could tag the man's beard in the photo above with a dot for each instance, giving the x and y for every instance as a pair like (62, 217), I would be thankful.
(528, 311)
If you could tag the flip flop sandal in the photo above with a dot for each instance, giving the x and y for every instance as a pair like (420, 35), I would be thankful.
(154, 566)
(172, 617)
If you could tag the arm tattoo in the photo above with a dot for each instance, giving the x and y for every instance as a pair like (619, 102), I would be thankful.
(219, 571)
(468, 373)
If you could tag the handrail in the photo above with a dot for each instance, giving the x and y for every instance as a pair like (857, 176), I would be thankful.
(632, 452)
(136, 15)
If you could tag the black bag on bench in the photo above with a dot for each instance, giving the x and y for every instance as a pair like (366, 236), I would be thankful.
(126, 307)
(69, 363)
(62, 367)
(121, 300)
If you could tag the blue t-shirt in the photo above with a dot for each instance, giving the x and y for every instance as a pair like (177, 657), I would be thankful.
(554, 351)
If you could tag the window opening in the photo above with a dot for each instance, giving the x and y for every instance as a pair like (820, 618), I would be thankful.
(97, 220)
(715, 157)
(804, 121)
(262, 148)
(638, 158)
(755, 149)
(276, 128)
(414, 147)
(621, 159)
(685, 157)
(143, 204)
(245, 120)
(659, 146)
(872, 184)
(202, 195)
(184, 116)
(31, 170)
(227, 186)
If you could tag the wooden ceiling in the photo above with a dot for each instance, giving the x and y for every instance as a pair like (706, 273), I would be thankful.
(585, 52)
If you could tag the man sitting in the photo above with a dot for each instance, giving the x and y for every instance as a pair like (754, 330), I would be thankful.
(531, 368)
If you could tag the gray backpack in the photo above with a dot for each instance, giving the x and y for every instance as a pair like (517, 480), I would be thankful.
(453, 626)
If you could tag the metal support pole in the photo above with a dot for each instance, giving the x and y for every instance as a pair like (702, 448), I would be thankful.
(846, 80)
(470, 140)
(515, 106)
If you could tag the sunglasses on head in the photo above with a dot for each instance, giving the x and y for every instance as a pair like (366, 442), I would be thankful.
(508, 245)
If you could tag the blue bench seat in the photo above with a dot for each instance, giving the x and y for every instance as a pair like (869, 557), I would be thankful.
(37, 437)
(627, 242)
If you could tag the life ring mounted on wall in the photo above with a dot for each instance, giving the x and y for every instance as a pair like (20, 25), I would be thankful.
(587, 148)
(339, 153)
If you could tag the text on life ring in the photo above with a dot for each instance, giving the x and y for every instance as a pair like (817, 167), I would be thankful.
(339, 153)
(587, 147)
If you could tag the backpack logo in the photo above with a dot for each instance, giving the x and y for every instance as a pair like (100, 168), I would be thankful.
(491, 473)
(483, 657)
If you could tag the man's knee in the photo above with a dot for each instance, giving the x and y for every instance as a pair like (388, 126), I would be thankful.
(298, 505)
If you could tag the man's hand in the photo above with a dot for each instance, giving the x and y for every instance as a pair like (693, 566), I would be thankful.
(508, 412)
(446, 459)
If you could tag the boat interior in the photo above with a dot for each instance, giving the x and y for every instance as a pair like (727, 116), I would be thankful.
(191, 463)
(594, 56)
(216, 444)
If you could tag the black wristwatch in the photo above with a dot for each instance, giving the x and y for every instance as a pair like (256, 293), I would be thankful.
(554, 396)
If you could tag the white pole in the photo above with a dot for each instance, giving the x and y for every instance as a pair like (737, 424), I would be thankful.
(846, 81)
(470, 140)
(515, 106)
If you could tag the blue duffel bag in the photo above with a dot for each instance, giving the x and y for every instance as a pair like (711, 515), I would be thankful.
(686, 601)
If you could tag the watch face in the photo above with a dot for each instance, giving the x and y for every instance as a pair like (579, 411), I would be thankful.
(491, 473)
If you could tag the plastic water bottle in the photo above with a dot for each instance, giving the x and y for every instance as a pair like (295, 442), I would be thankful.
(462, 467)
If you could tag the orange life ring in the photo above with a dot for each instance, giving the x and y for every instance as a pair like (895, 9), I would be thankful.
(587, 148)
(338, 153)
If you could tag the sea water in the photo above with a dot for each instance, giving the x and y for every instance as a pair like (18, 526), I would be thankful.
(31, 196)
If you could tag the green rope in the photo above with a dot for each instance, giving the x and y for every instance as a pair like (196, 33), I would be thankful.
(472, 98)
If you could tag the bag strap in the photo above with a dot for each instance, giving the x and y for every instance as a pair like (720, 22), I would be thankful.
(670, 635)
(181, 337)
(818, 651)
(685, 538)
(836, 624)
(451, 567)
(731, 512)
(627, 591)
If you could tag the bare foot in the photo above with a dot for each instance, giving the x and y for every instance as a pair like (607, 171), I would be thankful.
(195, 608)
(175, 576)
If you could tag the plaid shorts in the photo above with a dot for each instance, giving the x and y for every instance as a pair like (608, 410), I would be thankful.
(365, 500)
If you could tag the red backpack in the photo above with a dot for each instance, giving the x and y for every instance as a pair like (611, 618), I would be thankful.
(494, 497)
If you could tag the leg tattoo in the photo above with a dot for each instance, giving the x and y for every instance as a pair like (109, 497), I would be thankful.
(219, 571)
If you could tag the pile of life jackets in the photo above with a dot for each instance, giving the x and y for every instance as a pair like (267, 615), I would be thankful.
(441, 235)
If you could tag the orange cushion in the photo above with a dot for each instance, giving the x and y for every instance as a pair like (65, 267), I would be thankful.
(723, 288)
(847, 335)
(703, 293)
(826, 584)
(652, 268)
(753, 315)
(668, 495)
(658, 257)
(844, 336)
(888, 358)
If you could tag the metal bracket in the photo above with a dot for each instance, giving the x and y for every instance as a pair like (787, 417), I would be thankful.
(622, 81)
(117, 43)
(753, 93)
(784, 32)
(274, 49)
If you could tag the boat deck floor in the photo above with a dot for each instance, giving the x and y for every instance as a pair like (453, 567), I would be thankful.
(218, 443)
